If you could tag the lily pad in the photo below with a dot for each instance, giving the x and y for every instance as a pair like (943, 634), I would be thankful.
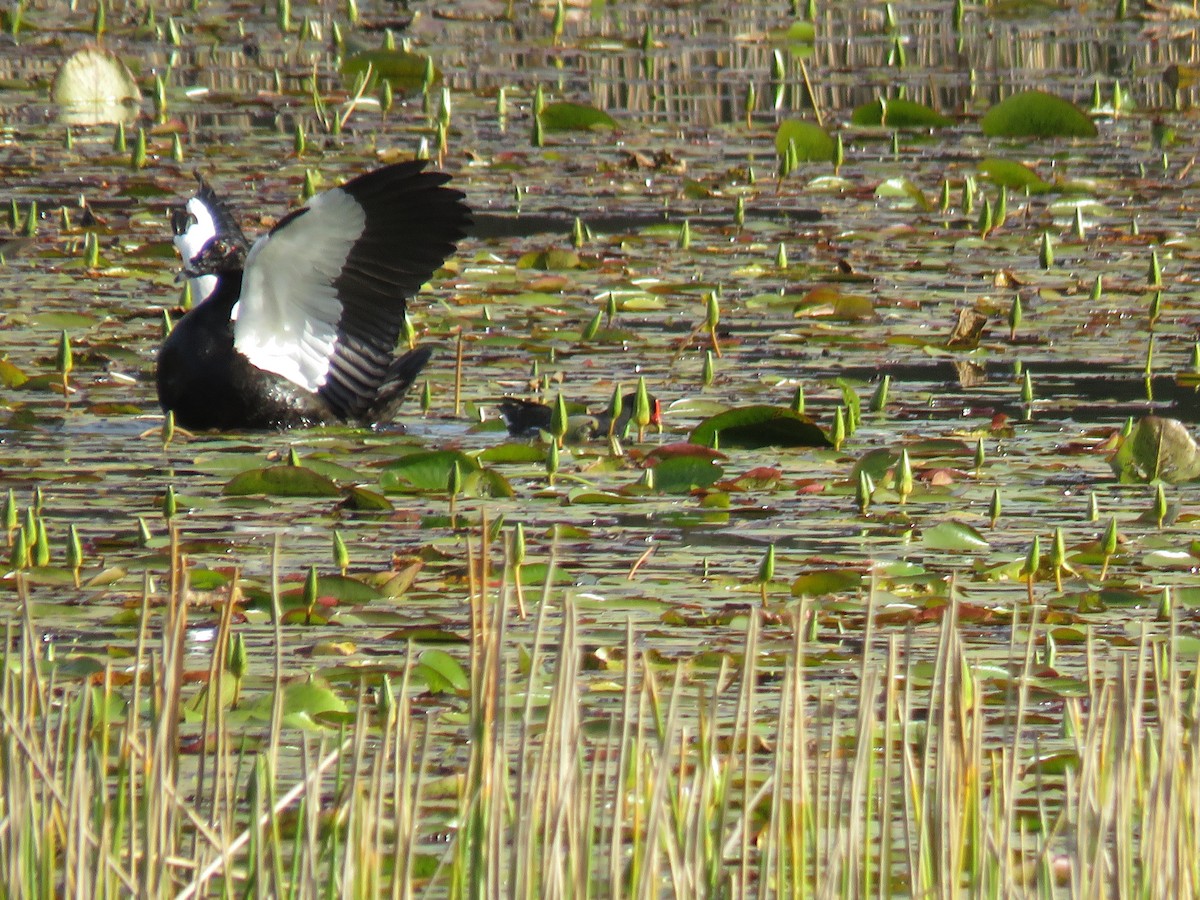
(575, 117)
(1013, 175)
(751, 427)
(903, 189)
(1036, 114)
(827, 581)
(549, 260)
(402, 68)
(442, 672)
(813, 143)
(1157, 448)
(680, 474)
(954, 536)
(430, 471)
(10, 375)
(898, 113)
(281, 481)
(94, 87)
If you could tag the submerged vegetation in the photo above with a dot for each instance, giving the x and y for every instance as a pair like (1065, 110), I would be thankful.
(900, 599)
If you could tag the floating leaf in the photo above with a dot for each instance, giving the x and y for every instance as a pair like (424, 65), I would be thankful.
(681, 448)
(751, 427)
(427, 470)
(281, 481)
(1157, 448)
(903, 189)
(93, 87)
(513, 453)
(953, 536)
(575, 117)
(305, 702)
(798, 32)
(403, 69)
(680, 474)
(813, 143)
(827, 581)
(1036, 114)
(1013, 175)
(897, 113)
(442, 672)
(10, 375)
(342, 588)
(830, 301)
(363, 500)
(549, 260)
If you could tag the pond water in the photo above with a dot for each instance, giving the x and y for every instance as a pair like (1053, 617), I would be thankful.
(685, 149)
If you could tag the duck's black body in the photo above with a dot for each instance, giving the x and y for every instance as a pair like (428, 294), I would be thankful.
(301, 328)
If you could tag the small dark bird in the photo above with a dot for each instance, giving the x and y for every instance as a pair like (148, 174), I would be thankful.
(529, 419)
(301, 328)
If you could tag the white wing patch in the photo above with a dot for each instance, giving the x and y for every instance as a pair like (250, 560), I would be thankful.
(286, 318)
(192, 241)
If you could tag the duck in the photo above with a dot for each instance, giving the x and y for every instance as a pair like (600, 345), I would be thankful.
(530, 419)
(300, 328)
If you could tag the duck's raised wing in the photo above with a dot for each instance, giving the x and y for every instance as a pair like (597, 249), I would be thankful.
(323, 294)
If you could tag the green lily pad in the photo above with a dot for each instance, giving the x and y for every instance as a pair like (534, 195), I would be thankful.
(1157, 448)
(752, 427)
(430, 471)
(575, 117)
(954, 536)
(813, 143)
(1013, 175)
(680, 474)
(827, 581)
(798, 32)
(10, 375)
(1036, 114)
(281, 481)
(903, 189)
(898, 113)
(548, 261)
(442, 672)
(402, 68)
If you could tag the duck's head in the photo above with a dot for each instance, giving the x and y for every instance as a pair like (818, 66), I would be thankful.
(216, 256)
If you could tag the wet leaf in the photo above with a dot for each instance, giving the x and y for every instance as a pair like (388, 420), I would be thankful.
(513, 453)
(798, 32)
(813, 143)
(428, 470)
(94, 86)
(681, 474)
(830, 301)
(903, 189)
(404, 69)
(823, 582)
(281, 481)
(575, 117)
(10, 375)
(1036, 114)
(899, 113)
(1013, 175)
(442, 672)
(549, 260)
(1158, 448)
(305, 702)
(752, 427)
(363, 500)
(954, 536)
